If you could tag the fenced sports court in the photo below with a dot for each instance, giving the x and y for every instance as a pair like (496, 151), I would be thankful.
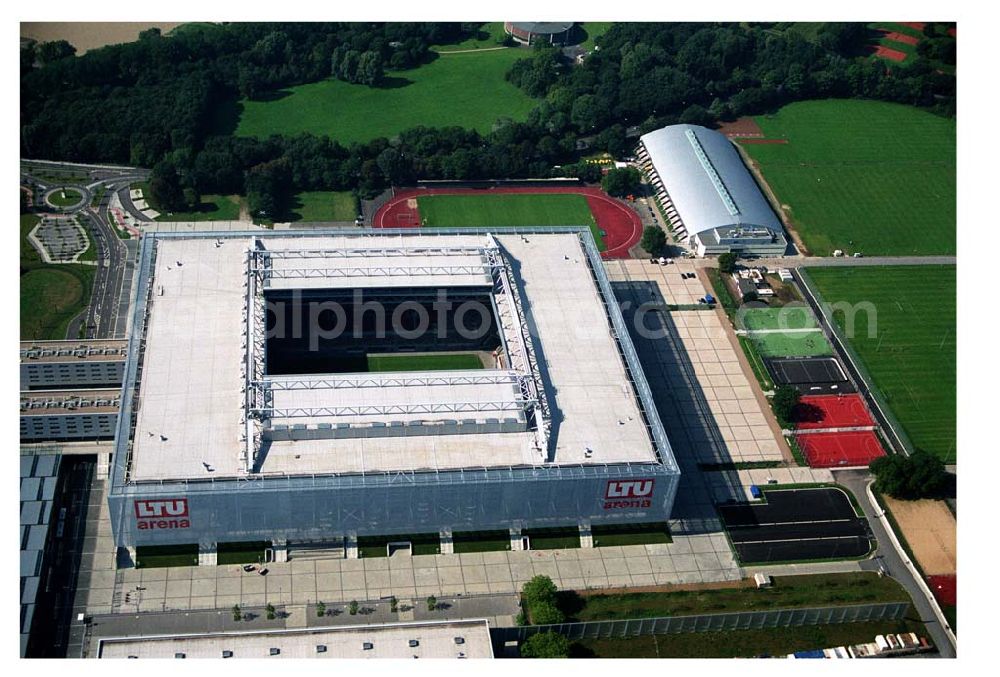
(831, 411)
(840, 450)
(810, 375)
(791, 343)
(785, 317)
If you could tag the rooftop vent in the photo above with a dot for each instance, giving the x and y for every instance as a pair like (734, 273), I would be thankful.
(321, 648)
(275, 651)
(227, 654)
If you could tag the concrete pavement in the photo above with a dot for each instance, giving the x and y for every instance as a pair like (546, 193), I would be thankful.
(887, 555)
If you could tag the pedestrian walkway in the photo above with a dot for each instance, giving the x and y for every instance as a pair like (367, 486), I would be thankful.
(689, 559)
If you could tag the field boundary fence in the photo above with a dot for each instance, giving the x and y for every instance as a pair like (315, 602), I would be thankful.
(876, 400)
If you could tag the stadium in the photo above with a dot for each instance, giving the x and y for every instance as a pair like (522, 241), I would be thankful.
(307, 390)
(530, 32)
(707, 194)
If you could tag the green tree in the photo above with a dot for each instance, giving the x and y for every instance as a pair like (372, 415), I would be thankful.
(545, 645)
(539, 589)
(621, 182)
(786, 398)
(371, 70)
(919, 475)
(546, 613)
(352, 608)
(653, 240)
(237, 614)
(393, 604)
(727, 262)
(320, 609)
(432, 603)
(48, 52)
(269, 611)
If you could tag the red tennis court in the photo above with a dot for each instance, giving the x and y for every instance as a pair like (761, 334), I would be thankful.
(944, 588)
(831, 411)
(836, 450)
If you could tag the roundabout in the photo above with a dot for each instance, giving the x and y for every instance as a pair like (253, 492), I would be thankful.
(67, 198)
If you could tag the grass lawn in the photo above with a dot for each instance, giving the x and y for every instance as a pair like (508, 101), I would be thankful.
(743, 643)
(756, 363)
(630, 534)
(51, 295)
(593, 30)
(553, 539)
(489, 37)
(423, 362)
(786, 317)
(466, 90)
(324, 206)
(788, 592)
(797, 344)
(481, 541)
(73, 197)
(912, 356)
(865, 176)
(241, 553)
(149, 557)
(497, 210)
(212, 208)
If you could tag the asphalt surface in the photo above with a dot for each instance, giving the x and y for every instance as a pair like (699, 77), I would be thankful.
(887, 558)
(797, 525)
(106, 316)
(810, 375)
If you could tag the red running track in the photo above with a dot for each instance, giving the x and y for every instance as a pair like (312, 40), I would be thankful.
(621, 225)
(831, 411)
(837, 450)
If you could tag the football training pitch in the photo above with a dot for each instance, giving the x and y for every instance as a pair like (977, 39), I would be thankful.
(862, 176)
(497, 210)
(466, 90)
(912, 356)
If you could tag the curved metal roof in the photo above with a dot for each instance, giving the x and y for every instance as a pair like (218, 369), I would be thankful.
(706, 179)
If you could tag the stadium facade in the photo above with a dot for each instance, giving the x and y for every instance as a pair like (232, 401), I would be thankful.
(231, 431)
(708, 195)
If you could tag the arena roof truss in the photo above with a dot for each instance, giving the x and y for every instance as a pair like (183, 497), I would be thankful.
(522, 374)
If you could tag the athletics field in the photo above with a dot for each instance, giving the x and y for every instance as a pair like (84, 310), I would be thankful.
(911, 356)
(862, 176)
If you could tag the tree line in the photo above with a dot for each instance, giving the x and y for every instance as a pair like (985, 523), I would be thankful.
(154, 102)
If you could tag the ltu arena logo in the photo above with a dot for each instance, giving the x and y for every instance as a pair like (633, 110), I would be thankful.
(628, 494)
(163, 513)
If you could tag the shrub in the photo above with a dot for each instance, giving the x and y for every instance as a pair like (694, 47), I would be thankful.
(545, 645)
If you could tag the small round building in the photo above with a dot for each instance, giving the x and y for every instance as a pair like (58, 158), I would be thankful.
(531, 32)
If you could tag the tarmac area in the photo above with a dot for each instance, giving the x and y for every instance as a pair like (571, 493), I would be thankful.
(797, 525)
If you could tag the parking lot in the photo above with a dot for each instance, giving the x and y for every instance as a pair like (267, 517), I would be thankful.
(796, 525)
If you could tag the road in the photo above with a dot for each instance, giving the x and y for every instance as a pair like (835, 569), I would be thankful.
(106, 316)
(857, 481)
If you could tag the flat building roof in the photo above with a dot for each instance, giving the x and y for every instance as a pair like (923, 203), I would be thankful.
(449, 639)
(191, 392)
